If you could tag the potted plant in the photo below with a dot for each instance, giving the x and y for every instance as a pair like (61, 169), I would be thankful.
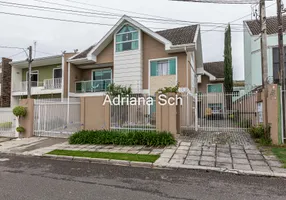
(19, 111)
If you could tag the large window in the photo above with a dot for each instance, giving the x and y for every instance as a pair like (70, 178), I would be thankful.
(276, 63)
(215, 88)
(127, 39)
(101, 78)
(163, 67)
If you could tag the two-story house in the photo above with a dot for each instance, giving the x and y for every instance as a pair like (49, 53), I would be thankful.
(131, 54)
(252, 53)
(48, 78)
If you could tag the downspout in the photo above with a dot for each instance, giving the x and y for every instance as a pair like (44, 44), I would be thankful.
(68, 110)
(187, 66)
(63, 76)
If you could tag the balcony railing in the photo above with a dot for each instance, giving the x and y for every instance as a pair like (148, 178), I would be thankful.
(92, 86)
(47, 84)
(55, 83)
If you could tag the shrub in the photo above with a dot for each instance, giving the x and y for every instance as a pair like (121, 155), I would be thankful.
(20, 111)
(261, 134)
(256, 131)
(20, 129)
(149, 138)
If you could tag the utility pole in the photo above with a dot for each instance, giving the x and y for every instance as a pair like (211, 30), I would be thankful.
(30, 60)
(264, 66)
(281, 60)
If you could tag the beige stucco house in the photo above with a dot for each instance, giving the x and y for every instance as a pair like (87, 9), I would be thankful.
(131, 54)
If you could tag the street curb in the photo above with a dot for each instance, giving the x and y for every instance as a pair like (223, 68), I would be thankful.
(150, 165)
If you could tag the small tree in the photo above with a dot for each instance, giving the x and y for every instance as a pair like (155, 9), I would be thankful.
(19, 111)
(228, 73)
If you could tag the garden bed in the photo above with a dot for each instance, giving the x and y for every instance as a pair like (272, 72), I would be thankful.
(131, 137)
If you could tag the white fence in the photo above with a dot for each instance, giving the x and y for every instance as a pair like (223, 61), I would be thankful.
(56, 117)
(219, 112)
(141, 116)
(7, 122)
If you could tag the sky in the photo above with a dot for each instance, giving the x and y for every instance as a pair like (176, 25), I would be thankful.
(53, 37)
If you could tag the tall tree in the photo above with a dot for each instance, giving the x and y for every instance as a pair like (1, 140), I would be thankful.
(228, 74)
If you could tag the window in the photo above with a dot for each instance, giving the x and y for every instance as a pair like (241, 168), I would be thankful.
(275, 52)
(127, 39)
(101, 78)
(163, 67)
(34, 78)
(215, 88)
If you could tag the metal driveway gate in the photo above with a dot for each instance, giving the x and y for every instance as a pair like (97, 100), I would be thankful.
(7, 122)
(219, 112)
(56, 117)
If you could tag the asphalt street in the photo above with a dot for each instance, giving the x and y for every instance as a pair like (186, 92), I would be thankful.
(30, 178)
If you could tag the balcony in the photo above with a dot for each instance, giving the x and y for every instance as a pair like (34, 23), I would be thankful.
(46, 87)
(92, 86)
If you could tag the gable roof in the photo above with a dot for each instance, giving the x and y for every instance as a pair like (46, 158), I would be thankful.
(84, 53)
(181, 35)
(215, 68)
(271, 24)
(177, 36)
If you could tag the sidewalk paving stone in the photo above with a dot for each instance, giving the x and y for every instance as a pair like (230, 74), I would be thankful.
(207, 163)
(188, 144)
(279, 170)
(240, 161)
(224, 165)
(258, 163)
(194, 153)
(241, 156)
(274, 163)
(261, 168)
(242, 167)
(182, 152)
(255, 157)
(224, 160)
(191, 162)
(207, 158)
(193, 158)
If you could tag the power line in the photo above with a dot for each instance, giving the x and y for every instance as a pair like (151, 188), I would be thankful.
(67, 20)
(136, 17)
(235, 20)
(75, 12)
(14, 55)
(9, 47)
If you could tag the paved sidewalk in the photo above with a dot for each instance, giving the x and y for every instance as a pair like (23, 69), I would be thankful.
(245, 159)
(228, 157)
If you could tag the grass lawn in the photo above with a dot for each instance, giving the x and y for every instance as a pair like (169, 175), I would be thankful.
(116, 156)
(280, 153)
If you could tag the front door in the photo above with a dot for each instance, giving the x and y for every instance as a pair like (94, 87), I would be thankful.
(57, 78)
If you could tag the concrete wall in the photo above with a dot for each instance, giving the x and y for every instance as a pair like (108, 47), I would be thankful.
(28, 121)
(75, 75)
(157, 82)
(95, 115)
(168, 117)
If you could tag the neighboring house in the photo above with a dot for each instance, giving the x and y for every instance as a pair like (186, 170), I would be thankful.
(210, 87)
(48, 78)
(131, 54)
(211, 77)
(252, 53)
(5, 82)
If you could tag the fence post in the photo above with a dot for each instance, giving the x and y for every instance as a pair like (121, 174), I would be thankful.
(27, 122)
(196, 111)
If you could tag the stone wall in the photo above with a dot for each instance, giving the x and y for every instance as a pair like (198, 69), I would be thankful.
(5, 81)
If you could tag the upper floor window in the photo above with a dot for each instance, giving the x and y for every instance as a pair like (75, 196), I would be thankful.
(214, 88)
(276, 72)
(127, 39)
(163, 67)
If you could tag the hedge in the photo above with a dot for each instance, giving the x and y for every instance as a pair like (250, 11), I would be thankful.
(148, 138)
